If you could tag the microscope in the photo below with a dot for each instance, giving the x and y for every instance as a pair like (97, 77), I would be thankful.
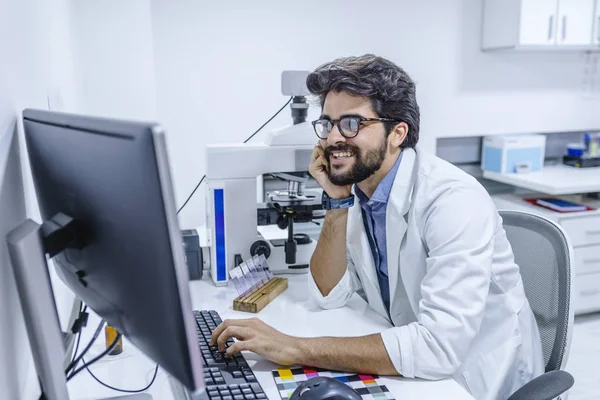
(243, 218)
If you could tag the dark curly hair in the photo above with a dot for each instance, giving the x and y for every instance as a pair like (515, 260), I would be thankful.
(389, 88)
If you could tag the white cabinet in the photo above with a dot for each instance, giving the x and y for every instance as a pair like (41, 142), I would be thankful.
(596, 34)
(575, 22)
(540, 24)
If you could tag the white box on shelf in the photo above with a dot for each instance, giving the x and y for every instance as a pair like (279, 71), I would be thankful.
(509, 154)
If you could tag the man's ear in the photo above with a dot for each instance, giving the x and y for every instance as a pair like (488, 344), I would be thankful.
(398, 134)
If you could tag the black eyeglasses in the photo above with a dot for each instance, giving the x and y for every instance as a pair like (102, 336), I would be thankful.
(348, 126)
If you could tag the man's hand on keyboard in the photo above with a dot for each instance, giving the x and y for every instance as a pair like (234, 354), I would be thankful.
(256, 336)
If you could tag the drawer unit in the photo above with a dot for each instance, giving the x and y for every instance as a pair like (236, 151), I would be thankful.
(587, 259)
(586, 297)
(583, 230)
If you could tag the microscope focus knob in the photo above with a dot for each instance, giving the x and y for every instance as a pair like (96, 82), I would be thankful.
(260, 247)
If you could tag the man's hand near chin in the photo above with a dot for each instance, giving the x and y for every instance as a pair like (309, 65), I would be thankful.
(365, 354)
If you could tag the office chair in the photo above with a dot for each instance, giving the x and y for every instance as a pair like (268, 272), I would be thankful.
(544, 255)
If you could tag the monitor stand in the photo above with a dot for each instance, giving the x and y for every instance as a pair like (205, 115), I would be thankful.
(28, 258)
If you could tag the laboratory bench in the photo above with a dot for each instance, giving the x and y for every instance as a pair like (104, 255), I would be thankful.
(291, 312)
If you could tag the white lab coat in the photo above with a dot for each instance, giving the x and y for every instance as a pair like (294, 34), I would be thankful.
(457, 300)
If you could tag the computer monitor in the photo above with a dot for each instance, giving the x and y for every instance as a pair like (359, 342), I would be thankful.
(125, 257)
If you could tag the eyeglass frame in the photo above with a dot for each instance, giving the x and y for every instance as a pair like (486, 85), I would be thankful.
(335, 122)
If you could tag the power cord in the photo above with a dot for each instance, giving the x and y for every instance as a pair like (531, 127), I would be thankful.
(86, 364)
(74, 363)
(123, 390)
(245, 141)
(98, 357)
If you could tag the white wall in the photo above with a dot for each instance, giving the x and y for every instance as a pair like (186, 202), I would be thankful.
(115, 60)
(35, 60)
(218, 64)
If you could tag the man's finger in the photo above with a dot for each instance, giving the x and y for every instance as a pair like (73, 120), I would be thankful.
(224, 325)
(324, 162)
(315, 154)
(238, 332)
(237, 347)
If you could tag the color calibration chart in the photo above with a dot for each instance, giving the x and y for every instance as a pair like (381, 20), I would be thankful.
(288, 379)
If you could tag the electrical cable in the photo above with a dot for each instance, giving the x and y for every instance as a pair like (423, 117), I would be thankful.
(105, 384)
(93, 360)
(123, 390)
(245, 141)
(87, 348)
(270, 119)
(81, 311)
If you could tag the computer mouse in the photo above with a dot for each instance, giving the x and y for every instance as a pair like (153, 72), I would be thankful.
(324, 388)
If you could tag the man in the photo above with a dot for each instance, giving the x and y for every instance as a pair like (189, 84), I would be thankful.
(420, 237)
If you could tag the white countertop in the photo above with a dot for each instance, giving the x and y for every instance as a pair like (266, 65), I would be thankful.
(289, 312)
(553, 179)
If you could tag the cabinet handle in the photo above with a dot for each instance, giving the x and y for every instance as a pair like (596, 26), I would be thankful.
(589, 292)
(591, 261)
(550, 26)
(593, 232)
(564, 27)
(598, 30)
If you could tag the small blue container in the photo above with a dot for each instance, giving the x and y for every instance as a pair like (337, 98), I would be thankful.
(576, 149)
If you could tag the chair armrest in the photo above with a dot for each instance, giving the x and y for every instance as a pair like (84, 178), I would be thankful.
(545, 387)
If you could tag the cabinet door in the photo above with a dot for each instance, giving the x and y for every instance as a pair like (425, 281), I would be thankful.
(538, 22)
(575, 22)
(597, 24)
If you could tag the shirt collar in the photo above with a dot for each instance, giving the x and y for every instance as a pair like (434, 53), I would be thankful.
(382, 192)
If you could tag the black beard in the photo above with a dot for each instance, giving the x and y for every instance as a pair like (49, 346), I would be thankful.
(363, 167)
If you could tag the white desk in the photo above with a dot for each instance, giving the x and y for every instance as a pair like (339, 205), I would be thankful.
(290, 313)
(553, 179)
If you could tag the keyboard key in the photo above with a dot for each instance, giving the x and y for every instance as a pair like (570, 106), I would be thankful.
(247, 391)
(219, 381)
(214, 370)
(250, 397)
(237, 374)
(210, 382)
(238, 397)
(250, 378)
(213, 363)
(236, 392)
(213, 393)
(244, 386)
(234, 386)
(261, 396)
(227, 398)
(256, 388)
(223, 387)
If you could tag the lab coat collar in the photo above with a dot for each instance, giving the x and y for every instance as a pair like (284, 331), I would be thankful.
(398, 205)
(402, 189)
(396, 224)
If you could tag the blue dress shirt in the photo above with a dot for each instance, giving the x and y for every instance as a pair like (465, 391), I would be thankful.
(374, 213)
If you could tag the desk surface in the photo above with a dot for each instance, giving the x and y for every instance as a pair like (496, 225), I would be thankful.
(289, 312)
(553, 179)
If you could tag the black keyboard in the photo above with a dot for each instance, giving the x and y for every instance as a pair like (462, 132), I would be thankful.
(225, 378)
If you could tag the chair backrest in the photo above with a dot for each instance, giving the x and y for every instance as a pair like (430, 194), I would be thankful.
(544, 257)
